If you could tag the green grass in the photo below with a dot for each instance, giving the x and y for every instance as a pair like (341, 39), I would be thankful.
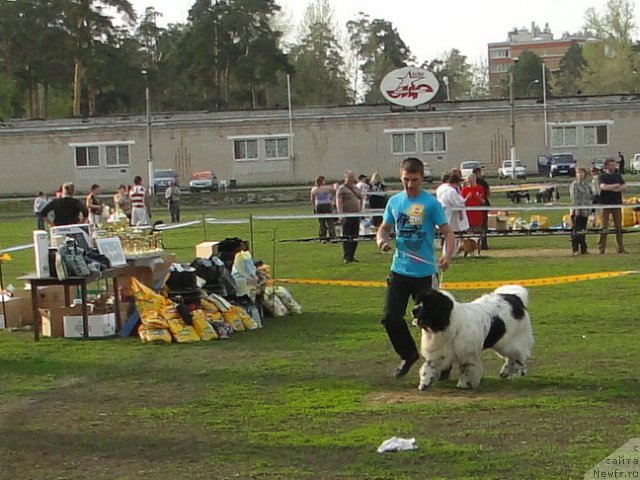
(311, 396)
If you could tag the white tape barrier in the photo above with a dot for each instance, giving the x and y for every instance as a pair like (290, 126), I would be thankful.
(16, 248)
(227, 221)
(174, 226)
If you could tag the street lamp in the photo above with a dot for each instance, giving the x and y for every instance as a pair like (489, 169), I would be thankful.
(147, 99)
(513, 125)
(445, 79)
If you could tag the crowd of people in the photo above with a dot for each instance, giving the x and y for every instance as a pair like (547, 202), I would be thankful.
(132, 202)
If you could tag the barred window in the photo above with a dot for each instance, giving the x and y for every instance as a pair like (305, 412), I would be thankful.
(596, 135)
(563, 136)
(434, 142)
(245, 149)
(87, 157)
(117, 155)
(404, 142)
(276, 148)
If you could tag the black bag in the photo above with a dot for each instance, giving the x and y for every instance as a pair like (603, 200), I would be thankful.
(70, 261)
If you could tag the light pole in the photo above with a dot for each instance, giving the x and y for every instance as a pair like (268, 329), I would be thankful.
(147, 99)
(544, 106)
(513, 126)
(445, 79)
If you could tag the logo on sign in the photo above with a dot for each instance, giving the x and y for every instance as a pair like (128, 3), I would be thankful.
(409, 86)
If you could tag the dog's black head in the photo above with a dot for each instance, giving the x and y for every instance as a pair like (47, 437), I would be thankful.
(432, 310)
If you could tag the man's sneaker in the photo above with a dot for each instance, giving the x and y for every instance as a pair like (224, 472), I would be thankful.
(405, 366)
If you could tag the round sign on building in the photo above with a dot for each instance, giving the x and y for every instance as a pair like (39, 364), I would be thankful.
(409, 86)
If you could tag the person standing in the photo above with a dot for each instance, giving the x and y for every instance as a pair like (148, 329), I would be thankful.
(377, 197)
(172, 194)
(140, 205)
(364, 186)
(414, 215)
(484, 245)
(474, 197)
(611, 188)
(38, 204)
(322, 203)
(349, 200)
(452, 203)
(94, 205)
(122, 202)
(67, 210)
(620, 163)
(581, 195)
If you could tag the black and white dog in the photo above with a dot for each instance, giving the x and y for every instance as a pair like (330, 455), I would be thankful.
(457, 333)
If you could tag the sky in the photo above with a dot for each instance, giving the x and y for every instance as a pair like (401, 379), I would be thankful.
(431, 28)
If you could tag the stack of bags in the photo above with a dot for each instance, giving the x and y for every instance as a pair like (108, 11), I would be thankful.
(163, 321)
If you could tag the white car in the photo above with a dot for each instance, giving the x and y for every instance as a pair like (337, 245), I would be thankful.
(466, 168)
(635, 163)
(506, 170)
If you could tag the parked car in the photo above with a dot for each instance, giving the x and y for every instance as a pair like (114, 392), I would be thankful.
(598, 162)
(201, 181)
(467, 167)
(428, 176)
(635, 163)
(557, 164)
(506, 170)
(161, 179)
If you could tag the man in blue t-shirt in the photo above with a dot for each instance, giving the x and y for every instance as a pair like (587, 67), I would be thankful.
(414, 215)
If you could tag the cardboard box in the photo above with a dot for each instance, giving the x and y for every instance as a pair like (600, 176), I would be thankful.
(206, 249)
(53, 296)
(149, 271)
(25, 306)
(67, 322)
(13, 309)
(52, 324)
(103, 325)
(497, 221)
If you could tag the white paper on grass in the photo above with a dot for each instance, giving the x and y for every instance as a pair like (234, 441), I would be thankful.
(397, 444)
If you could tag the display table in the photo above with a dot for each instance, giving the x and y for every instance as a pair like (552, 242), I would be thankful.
(80, 282)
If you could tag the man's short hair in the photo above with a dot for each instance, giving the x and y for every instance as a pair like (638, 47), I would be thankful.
(454, 178)
(137, 180)
(477, 170)
(412, 165)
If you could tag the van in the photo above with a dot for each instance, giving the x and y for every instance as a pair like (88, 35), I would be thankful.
(557, 164)
(635, 163)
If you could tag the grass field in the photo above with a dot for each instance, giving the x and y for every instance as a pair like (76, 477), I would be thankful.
(311, 396)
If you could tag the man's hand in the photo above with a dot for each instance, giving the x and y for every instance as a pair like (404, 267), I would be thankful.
(443, 263)
(384, 246)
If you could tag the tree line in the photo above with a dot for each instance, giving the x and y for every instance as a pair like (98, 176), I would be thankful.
(61, 58)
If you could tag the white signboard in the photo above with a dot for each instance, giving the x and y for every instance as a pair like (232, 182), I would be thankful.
(409, 86)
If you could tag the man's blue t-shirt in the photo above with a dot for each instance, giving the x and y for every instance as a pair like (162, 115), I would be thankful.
(415, 220)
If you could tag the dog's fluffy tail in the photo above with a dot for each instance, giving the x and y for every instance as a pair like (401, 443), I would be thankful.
(517, 290)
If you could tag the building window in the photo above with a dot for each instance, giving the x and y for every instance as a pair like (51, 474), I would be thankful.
(434, 142)
(499, 53)
(404, 143)
(596, 135)
(87, 157)
(276, 148)
(245, 149)
(117, 155)
(499, 68)
(563, 136)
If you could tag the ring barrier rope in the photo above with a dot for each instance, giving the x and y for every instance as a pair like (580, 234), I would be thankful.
(488, 285)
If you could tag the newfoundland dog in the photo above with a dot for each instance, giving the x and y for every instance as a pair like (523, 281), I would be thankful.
(457, 333)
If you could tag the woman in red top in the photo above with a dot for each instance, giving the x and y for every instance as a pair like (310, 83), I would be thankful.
(474, 196)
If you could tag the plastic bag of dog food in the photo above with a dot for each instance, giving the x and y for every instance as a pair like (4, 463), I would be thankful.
(287, 299)
(223, 329)
(232, 317)
(273, 304)
(182, 333)
(154, 335)
(202, 326)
